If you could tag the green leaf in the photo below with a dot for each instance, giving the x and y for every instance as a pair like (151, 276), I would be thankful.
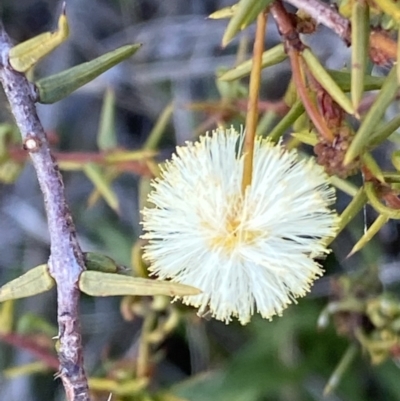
(226, 12)
(244, 15)
(99, 284)
(327, 82)
(395, 158)
(117, 387)
(26, 54)
(344, 364)
(384, 132)
(100, 182)
(56, 87)
(307, 137)
(352, 209)
(33, 282)
(359, 40)
(344, 185)
(272, 56)
(294, 113)
(343, 79)
(373, 117)
(159, 128)
(10, 171)
(372, 166)
(379, 222)
(30, 323)
(9, 135)
(106, 135)
(27, 369)
(7, 310)
(109, 176)
(389, 7)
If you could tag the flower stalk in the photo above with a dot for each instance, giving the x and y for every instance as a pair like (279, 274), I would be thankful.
(252, 108)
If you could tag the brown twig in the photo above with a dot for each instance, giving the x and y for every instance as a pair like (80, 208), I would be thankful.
(381, 46)
(325, 15)
(66, 260)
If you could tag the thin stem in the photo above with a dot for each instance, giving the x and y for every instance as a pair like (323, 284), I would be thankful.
(347, 358)
(252, 107)
(66, 260)
(142, 366)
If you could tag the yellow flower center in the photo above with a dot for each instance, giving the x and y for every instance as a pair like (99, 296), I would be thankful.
(233, 233)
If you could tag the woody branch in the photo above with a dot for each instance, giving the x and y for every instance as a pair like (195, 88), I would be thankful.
(66, 261)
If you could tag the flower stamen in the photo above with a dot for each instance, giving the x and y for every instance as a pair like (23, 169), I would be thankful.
(246, 252)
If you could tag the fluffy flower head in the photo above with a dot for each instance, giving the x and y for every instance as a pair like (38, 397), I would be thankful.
(245, 252)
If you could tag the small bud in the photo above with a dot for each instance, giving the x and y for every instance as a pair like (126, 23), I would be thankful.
(31, 143)
(101, 263)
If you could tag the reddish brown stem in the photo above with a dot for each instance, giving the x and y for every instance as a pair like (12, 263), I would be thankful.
(30, 345)
(139, 167)
(309, 105)
(294, 46)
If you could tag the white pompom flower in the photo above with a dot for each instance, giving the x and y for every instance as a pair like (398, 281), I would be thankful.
(246, 253)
